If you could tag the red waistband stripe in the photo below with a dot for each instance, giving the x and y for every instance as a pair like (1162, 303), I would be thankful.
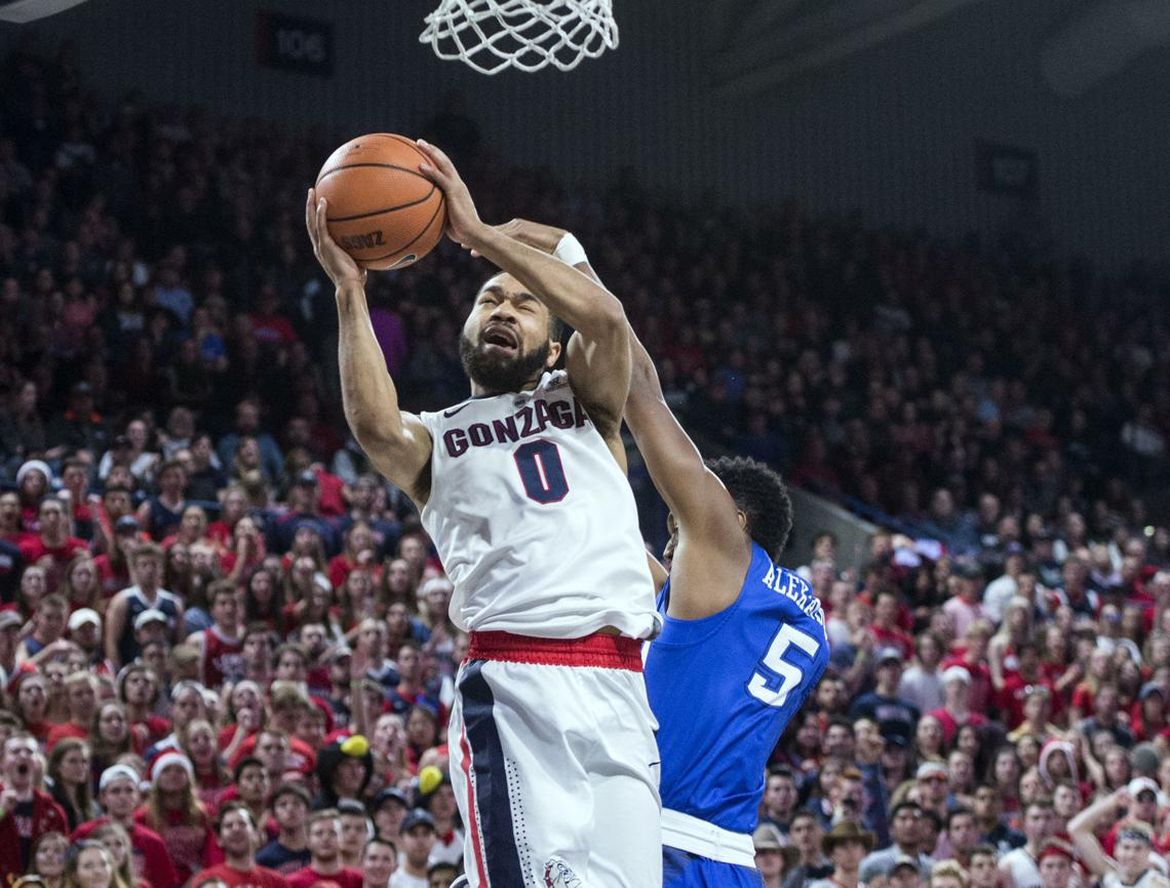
(597, 650)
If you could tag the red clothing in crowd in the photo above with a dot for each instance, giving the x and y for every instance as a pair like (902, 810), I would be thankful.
(219, 532)
(340, 567)
(189, 843)
(151, 859)
(982, 690)
(149, 731)
(39, 730)
(308, 877)
(1082, 699)
(894, 638)
(257, 877)
(951, 726)
(113, 578)
(301, 756)
(1142, 731)
(18, 830)
(330, 488)
(272, 329)
(57, 733)
(33, 549)
(1010, 699)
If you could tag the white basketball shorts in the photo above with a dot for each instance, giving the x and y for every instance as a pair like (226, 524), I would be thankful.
(554, 764)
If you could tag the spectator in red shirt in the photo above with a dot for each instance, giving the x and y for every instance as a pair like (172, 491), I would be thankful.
(75, 478)
(25, 811)
(80, 583)
(965, 606)
(52, 548)
(269, 325)
(1017, 685)
(81, 695)
(1099, 669)
(233, 508)
(325, 850)
(32, 701)
(173, 811)
(972, 656)
(956, 710)
(379, 861)
(11, 526)
(192, 529)
(138, 688)
(359, 552)
(885, 629)
(113, 566)
(32, 483)
(1148, 716)
(118, 795)
(238, 837)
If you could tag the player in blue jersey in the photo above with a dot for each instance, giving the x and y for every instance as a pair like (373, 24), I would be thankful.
(743, 643)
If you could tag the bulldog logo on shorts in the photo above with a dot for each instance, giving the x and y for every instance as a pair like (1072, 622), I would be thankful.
(558, 874)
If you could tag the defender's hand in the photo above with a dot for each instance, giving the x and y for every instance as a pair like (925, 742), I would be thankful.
(338, 264)
(535, 234)
(463, 222)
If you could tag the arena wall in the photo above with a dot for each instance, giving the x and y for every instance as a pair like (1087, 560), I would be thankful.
(892, 130)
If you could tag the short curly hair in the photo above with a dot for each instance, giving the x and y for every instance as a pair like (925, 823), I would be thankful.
(761, 494)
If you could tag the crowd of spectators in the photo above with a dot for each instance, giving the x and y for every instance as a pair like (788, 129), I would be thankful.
(210, 603)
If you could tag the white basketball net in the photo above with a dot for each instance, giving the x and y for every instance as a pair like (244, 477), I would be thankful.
(491, 35)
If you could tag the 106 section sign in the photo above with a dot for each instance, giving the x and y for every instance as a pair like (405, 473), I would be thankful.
(301, 45)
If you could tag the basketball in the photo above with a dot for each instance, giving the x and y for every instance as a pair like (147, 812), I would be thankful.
(382, 210)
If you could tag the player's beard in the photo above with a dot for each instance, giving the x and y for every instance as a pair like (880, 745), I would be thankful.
(498, 373)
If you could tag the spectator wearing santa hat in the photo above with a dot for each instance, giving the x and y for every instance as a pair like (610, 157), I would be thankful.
(173, 810)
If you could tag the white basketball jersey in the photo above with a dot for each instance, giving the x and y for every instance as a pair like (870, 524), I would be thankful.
(533, 520)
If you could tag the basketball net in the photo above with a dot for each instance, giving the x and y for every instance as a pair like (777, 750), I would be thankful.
(491, 35)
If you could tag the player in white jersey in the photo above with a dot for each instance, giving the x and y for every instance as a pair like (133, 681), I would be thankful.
(551, 737)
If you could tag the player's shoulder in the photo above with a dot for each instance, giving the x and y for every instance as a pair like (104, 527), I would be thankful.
(775, 576)
(787, 588)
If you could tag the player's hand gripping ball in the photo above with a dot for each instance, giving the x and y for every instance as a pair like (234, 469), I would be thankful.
(381, 209)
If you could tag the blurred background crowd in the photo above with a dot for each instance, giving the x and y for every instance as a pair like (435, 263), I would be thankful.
(210, 602)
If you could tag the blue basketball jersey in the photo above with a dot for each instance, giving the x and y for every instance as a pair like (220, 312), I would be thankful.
(724, 687)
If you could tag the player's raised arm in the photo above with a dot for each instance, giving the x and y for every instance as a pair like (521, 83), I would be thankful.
(597, 357)
(397, 443)
(705, 512)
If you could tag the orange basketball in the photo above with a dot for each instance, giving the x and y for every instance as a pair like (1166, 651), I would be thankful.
(382, 210)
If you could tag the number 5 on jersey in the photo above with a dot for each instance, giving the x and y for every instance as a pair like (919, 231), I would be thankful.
(790, 674)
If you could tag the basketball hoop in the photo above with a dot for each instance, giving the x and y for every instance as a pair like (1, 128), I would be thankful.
(491, 35)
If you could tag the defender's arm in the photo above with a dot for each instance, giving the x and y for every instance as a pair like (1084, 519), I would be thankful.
(707, 516)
